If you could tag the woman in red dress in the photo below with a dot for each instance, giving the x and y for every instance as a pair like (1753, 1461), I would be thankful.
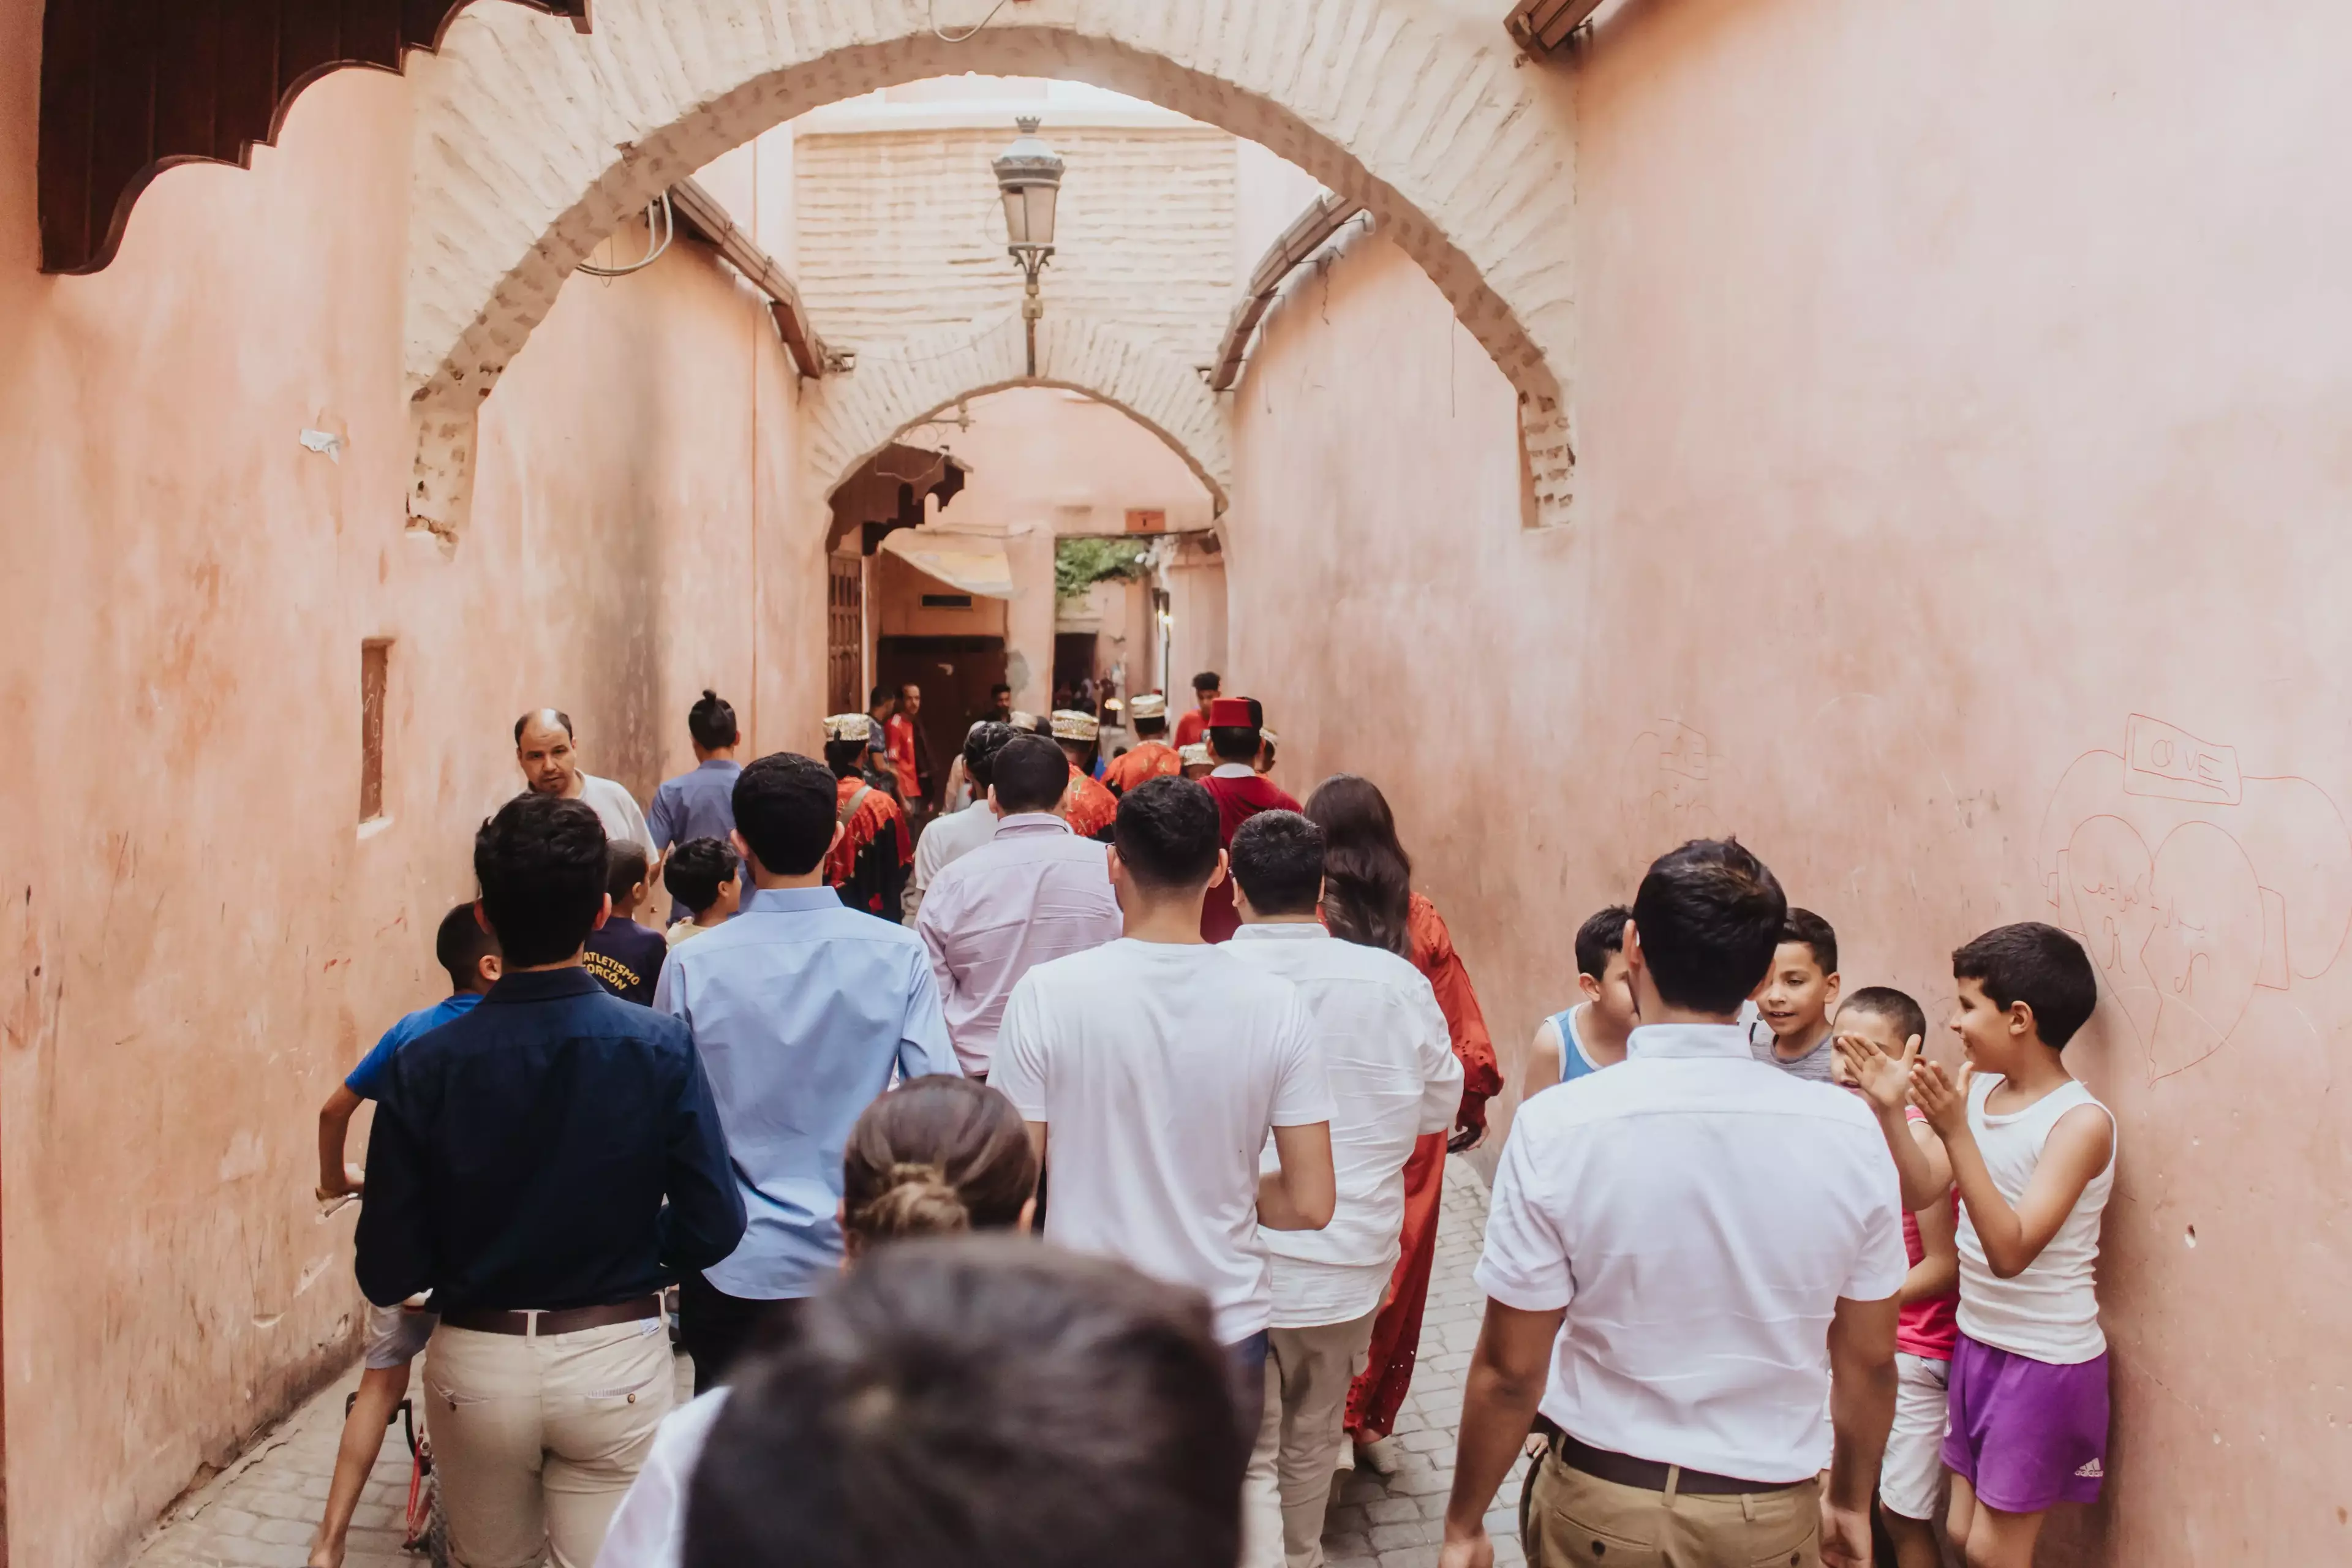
(1368, 897)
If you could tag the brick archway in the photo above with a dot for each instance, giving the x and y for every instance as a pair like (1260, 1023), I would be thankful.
(851, 417)
(534, 141)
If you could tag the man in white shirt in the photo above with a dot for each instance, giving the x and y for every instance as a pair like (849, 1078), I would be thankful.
(1152, 1071)
(1394, 1077)
(1680, 1251)
(948, 838)
(550, 761)
(1035, 892)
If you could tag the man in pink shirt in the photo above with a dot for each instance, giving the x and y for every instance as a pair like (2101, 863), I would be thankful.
(1032, 892)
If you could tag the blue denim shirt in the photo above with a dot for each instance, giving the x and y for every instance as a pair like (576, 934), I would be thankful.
(699, 805)
(523, 1156)
(801, 1008)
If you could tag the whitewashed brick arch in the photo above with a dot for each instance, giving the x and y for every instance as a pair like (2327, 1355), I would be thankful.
(534, 141)
(851, 417)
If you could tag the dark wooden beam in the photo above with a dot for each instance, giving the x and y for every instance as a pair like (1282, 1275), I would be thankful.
(706, 220)
(129, 88)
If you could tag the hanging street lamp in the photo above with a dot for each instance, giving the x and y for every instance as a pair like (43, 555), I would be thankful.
(1029, 173)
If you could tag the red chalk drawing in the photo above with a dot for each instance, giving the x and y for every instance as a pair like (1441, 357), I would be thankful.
(1666, 788)
(2193, 884)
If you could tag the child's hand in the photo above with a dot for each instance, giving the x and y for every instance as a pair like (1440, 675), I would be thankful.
(1884, 1080)
(1945, 1104)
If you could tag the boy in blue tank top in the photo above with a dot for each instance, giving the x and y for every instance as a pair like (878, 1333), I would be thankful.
(1592, 1035)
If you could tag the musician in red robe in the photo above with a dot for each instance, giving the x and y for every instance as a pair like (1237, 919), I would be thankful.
(1151, 757)
(1236, 726)
(870, 861)
(1368, 897)
(1091, 809)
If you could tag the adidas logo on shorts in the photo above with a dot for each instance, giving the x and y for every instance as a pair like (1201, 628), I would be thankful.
(2091, 1472)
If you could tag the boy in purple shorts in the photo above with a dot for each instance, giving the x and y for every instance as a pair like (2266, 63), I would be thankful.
(2033, 1156)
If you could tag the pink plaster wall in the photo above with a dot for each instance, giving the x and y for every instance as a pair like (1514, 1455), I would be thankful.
(1957, 383)
(205, 938)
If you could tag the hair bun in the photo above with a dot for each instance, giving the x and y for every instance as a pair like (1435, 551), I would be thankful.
(919, 1200)
(708, 695)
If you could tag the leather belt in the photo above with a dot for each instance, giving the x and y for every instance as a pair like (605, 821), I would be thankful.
(1650, 1476)
(569, 1320)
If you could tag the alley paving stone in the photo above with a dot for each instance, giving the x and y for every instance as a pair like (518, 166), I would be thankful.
(260, 1511)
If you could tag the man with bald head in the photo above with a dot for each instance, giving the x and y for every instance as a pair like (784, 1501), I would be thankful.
(551, 765)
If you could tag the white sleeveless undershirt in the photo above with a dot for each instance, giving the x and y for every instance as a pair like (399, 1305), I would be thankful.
(2050, 1312)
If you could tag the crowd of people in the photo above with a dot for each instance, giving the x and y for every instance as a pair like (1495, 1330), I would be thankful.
(1758, 1272)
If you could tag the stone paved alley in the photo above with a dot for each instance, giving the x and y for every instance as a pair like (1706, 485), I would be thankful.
(259, 1512)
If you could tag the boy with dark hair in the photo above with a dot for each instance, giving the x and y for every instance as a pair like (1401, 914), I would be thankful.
(1878, 1031)
(950, 837)
(1045, 1410)
(1236, 733)
(469, 956)
(874, 849)
(624, 956)
(1394, 1078)
(1798, 996)
(1035, 892)
(705, 879)
(1683, 1333)
(1192, 728)
(542, 1165)
(2033, 1156)
(1592, 1035)
(1152, 1070)
(801, 1009)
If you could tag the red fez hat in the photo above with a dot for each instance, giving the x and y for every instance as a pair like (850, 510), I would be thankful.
(1233, 713)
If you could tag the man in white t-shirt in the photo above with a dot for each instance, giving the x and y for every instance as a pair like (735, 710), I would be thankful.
(550, 761)
(1680, 1251)
(1394, 1077)
(1152, 1071)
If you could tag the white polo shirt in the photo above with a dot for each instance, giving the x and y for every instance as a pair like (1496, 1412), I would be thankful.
(1699, 1215)
(1393, 1075)
(1160, 1069)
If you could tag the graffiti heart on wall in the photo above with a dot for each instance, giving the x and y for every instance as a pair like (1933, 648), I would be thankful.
(2193, 884)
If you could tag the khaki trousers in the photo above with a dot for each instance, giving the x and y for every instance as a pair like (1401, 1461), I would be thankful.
(1577, 1521)
(535, 1438)
(1288, 1487)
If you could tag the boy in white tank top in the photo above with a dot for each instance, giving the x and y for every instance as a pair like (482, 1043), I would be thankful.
(2032, 1154)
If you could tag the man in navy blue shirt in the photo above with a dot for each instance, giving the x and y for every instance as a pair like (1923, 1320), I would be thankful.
(543, 1165)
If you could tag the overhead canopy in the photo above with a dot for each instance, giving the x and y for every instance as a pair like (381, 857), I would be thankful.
(972, 562)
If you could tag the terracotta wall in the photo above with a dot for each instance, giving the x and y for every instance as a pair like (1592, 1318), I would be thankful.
(207, 938)
(1961, 417)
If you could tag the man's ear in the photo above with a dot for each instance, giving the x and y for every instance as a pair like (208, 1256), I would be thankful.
(604, 914)
(1224, 865)
(840, 831)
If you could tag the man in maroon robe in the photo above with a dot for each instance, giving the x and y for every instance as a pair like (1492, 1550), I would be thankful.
(1235, 732)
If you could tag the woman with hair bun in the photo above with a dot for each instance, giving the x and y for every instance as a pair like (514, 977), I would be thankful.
(938, 1155)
